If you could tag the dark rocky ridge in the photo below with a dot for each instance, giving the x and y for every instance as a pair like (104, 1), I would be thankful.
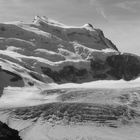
(125, 66)
(67, 74)
(115, 67)
(7, 133)
(9, 78)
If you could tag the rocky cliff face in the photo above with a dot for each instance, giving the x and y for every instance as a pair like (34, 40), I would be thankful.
(9, 78)
(7, 133)
(122, 66)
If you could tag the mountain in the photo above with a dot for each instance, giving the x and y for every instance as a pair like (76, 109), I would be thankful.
(46, 51)
(65, 82)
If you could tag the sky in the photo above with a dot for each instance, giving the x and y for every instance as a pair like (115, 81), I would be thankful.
(119, 19)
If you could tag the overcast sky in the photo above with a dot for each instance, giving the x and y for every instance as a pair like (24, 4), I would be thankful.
(119, 19)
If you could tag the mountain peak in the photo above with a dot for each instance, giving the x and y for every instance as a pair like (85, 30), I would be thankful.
(88, 26)
(47, 20)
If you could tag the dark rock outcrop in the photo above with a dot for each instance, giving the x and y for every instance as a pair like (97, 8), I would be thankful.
(125, 66)
(7, 133)
(122, 66)
(115, 67)
(67, 74)
(9, 78)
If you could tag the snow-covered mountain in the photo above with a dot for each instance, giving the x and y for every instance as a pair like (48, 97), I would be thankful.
(38, 51)
(46, 51)
(65, 82)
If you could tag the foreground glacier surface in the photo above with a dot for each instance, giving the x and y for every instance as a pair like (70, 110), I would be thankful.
(85, 111)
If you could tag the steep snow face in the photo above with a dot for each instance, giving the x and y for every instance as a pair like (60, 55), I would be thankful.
(85, 35)
(50, 35)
